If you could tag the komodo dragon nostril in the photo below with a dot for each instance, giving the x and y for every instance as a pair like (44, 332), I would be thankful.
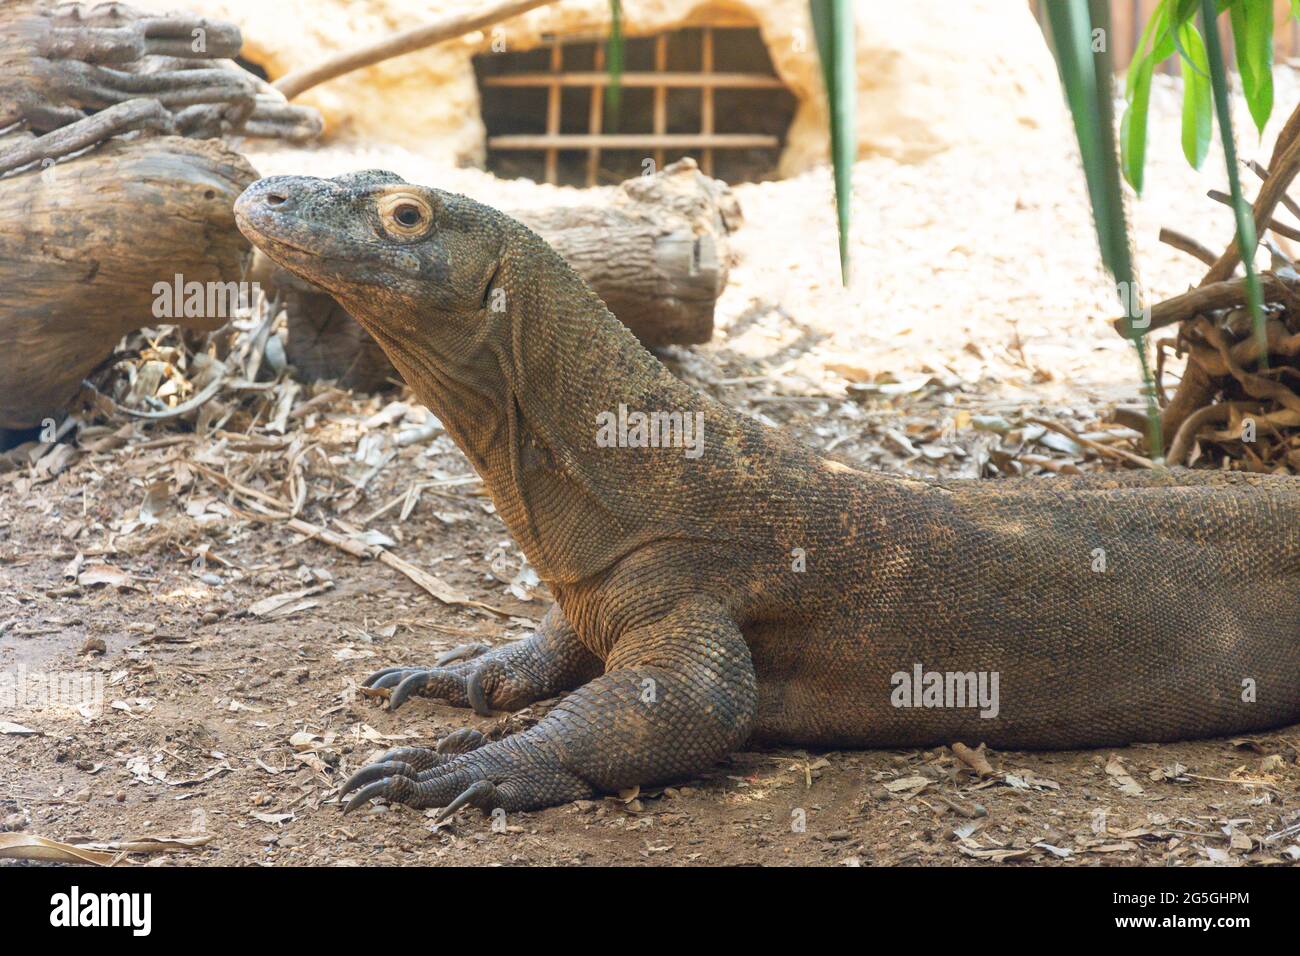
(276, 199)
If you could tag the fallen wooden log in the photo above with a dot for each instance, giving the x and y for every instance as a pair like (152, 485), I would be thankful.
(86, 239)
(85, 246)
(656, 252)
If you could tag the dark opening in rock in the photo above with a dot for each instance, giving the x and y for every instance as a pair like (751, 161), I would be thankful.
(710, 93)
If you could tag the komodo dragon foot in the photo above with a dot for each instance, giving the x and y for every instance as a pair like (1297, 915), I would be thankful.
(676, 695)
(550, 662)
(410, 762)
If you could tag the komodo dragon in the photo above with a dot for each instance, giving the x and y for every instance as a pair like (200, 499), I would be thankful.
(752, 590)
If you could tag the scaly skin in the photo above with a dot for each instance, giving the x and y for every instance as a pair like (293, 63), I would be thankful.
(686, 623)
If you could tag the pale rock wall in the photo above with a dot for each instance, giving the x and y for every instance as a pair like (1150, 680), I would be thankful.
(931, 73)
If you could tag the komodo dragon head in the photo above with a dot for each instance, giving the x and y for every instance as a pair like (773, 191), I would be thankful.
(476, 311)
(494, 331)
(423, 258)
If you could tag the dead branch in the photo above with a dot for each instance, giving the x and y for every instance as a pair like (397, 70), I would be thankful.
(431, 583)
(1258, 169)
(1191, 427)
(448, 28)
(1283, 168)
(75, 76)
(117, 119)
(1282, 229)
(1103, 450)
(1187, 244)
(1220, 295)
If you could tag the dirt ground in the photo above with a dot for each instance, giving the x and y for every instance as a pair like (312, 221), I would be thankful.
(223, 650)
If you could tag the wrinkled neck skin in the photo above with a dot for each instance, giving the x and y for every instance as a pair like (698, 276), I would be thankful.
(525, 413)
(468, 410)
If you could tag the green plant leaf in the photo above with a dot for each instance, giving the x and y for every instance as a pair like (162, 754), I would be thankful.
(1087, 77)
(1133, 127)
(1155, 44)
(1246, 238)
(1252, 34)
(832, 22)
(614, 65)
(1198, 101)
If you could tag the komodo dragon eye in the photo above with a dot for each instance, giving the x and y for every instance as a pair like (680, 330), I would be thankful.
(405, 215)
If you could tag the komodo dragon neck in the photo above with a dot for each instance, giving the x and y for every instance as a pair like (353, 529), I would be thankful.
(575, 506)
(519, 359)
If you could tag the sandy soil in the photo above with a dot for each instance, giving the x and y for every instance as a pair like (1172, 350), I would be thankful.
(230, 718)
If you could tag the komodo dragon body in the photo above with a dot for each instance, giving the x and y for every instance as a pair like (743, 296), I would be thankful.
(747, 588)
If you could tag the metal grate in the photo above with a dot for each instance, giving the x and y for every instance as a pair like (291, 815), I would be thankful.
(659, 81)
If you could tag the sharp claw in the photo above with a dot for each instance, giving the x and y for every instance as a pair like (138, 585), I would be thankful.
(476, 793)
(392, 678)
(417, 681)
(370, 681)
(376, 789)
(477, 697)
(383, 768)
(461, 652)
(461, 741)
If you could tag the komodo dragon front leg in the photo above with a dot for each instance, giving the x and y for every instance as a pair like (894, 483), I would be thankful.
(676, 696)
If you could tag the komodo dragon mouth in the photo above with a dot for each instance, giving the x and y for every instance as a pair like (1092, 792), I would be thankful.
(754, 592)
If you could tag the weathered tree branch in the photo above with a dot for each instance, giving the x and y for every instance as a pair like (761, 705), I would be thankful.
(1282, 169)
(417, 38)
(81, 258)
(1281, 228)
(1220, 295)
(1185, 243)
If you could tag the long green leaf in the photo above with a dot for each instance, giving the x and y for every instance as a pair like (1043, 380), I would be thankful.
(1157, 42)
(1246, 238)
(1252, 34)
(1133, 128)
(832, 22)
(1198, 101)
(1086, 75)
(1160, 37)
(1070, 28)
(1155, 46)
(614, 65)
